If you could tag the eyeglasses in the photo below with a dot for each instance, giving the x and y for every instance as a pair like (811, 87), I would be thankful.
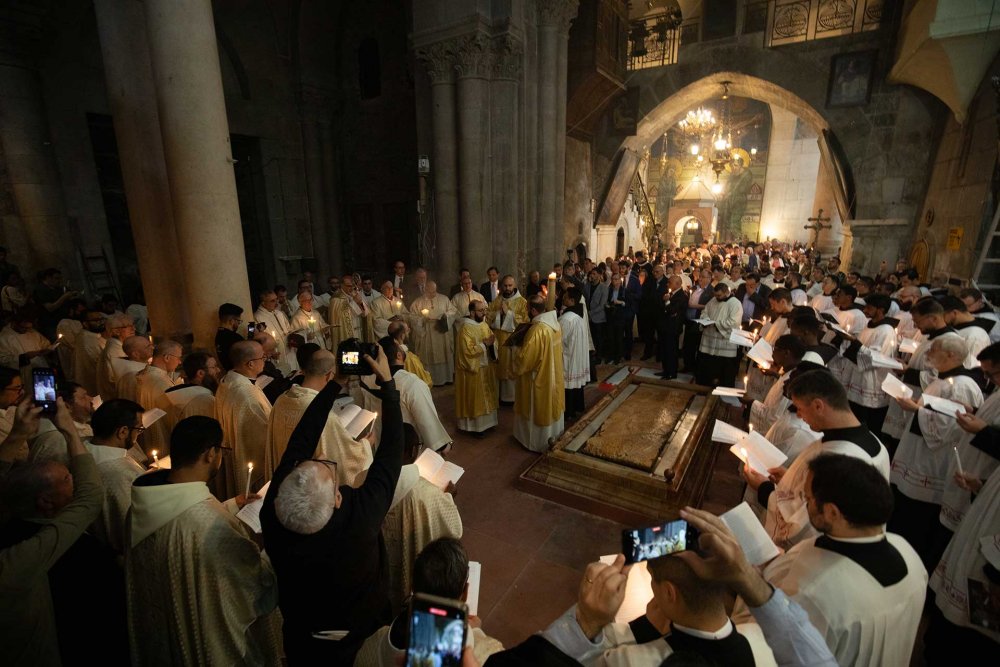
(327, 462)
(140, 429)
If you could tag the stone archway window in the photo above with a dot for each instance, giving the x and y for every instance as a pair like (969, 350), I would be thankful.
(369, 69)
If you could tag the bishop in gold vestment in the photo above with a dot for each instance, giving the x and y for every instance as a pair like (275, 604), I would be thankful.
(475, 378)
(506, 312)
(432, 316)
(539, 399)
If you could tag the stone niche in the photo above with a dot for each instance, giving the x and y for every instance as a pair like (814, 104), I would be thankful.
(868, 242)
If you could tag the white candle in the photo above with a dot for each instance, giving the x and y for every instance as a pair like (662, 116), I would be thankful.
(552, 276)
(958, 460)
(425, 312)
(59, 337)
(156, 459)
(751, 427)
(951, 381)
(249, 474)
(746, 379)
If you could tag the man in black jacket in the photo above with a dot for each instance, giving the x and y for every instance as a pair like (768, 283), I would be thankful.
(753, 296)
(668, 326)
(326, 542)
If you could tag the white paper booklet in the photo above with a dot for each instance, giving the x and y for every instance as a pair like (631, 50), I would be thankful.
(149, 417)
(472, 597)
(250, 514)
(262, 381)
(355, 419)
(907, 346)
(741, 338)
(762, 354)
(758, 452)
(704, 321)
(637, 591)
(436, 470)
(723, 432)
(942, 405)
(756, 543)
(728, 391)
(880, 360)
(894, 387)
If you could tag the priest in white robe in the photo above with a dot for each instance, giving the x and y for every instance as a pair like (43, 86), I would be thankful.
(505, 314)
(353, 457)
(539, 404)
(384, 307)
(864, 384)
(432, 317)
(308, 322)
(19, 338)
(475, 379)
(196, 396)
(717, 355)
(138, 352)
(200, 591)
(277, 325)
(974, 331)
(863, 588)
(575, 352)
(775, 326)
(151, 386)
(464, 296)
(68, 331)
(787, 354)
(921, 462)
(117, 328)
(242, 409)
(87, 352)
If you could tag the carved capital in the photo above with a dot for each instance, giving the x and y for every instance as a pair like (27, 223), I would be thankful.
(472, 56)
(439, 61)
(507, 57)
(557, 13)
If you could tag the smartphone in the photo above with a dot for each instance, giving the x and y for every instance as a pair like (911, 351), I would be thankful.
(639, 544)
(437, 631)
(43, 382)
(251, 329)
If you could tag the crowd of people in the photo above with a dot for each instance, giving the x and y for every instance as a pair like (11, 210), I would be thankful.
(212, 506)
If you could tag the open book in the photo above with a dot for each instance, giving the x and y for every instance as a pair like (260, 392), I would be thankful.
(704, 321)
(892, 386)
(880, 360)
(741, 338)
(757, 451)
(761, 354)
(942, 405)
(149, 417)
(728, 391)
(723, 432)
(907, 346)
(472, 596)
(250, 514)
(436, 470)
(754, 540)
(355, 419)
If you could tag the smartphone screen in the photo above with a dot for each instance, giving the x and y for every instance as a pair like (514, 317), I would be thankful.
(639, 544)
(251, 329)
(437, 632)
(44, 388)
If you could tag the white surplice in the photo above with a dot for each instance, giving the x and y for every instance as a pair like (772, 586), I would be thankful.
(576, 350)
(436, 348)
(955, 500)
(86, 356)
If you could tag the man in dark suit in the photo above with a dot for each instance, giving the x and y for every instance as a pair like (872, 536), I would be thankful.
(462, 275)
(650, 305)
(753, 261)
(490, 289)
(668, 326)
(403, 282)
(632, 286)
(753, 296)
(620, 310)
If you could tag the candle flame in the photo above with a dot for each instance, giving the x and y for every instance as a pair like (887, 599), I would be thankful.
(746, 457)
(552, 276)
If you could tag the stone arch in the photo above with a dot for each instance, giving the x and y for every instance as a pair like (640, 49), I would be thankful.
(680, 229)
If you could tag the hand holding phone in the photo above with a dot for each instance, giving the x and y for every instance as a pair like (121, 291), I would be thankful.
(437, 631)
(43, 381)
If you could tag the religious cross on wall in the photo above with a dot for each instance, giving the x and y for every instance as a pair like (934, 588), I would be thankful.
(817, 225)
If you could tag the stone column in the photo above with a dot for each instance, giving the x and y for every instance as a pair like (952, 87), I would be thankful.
(472, 56)
(31, 167)
(128, 74)
(504, 163)
(335, 241)
(196, 145)
(563, 231)
(311, 152)
(439, 61)
(528, 253)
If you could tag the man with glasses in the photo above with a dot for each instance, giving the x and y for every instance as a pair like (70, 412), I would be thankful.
(325, 542)
(277, 324)
(20, 342)
(243, 410)
(230, 319)
(151, 385)
(10, 395)
(199, 590)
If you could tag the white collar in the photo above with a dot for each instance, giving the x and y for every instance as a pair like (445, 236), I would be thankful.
(721, 633)
(858, 540)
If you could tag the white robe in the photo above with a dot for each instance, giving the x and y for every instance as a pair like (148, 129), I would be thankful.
(976, 339)
(312, 326)
(418, 410)
(976, 543)
(86, 355)
(921, 461)
(955, 500)
(242, 410)
(13, 345)
(383, 310)
(127, 372)
(107, 376)
(150, 387)
(864, 382)
(576, 350)
(70, 331)
(462, 300)
(118, 471)
(279, 327)
(435, 348)
(897, 420)
(787, 520)
(863, 622)
(186, 401)
(821, 303)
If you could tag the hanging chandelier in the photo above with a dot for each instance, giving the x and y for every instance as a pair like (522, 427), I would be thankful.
(698, 122)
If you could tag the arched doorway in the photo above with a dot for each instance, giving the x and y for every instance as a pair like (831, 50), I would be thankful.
(689, 230)
(920, 258)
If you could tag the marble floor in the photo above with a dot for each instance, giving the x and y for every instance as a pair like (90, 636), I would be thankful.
(533, 551)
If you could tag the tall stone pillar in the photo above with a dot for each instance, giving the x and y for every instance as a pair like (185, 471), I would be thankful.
(473, 88)
(505, 165)
(311, 138)
(439, 60)
(528, 255)
(121, 25)
(199, 161)
(560, 136)
(335, 241)
(24, 133)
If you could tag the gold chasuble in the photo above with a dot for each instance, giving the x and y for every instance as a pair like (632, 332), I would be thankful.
(412, 364)
(539, 400)
(503, 325)
(349, 320)
(475, 378)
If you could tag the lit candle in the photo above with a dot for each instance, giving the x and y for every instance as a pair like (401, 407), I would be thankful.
(745, 381)
(156, 459)
(425, 312)
(746, 457)
(552, 276)
(751, 427)
(951, 381)
(958, 461)
(249, 474)
(59, 337)
(399, 304)
(274, 334)
(150, 338)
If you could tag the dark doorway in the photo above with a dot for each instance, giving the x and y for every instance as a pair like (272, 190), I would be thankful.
(620, 243)
(251, 191)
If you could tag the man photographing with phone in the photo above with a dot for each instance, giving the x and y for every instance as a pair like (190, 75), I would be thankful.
(325, 541)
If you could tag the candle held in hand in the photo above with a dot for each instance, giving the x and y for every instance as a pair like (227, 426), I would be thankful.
(552, 276)
(156, 459)
(425, 312)
(958, 461)
(249, 475)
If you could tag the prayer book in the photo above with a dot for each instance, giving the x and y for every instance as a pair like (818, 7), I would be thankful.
(723, 432)
(756, 543)
(761, 354)
(355, 419)
(880, 360)
(516, 338)
(250, 514)
(907, 346)
(757, 451)
(161, 463)
(704, 321)
(741, 338)
(638, 592)
(942, 405)
(727, 391)
(149, 417)
(262, 381)
(472, 596)
(894, 387)
(436, 470)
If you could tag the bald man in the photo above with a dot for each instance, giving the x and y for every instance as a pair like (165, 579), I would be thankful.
(138, 350)
(151, 385)
(432, 318)
(117, 328)
(243, 410)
